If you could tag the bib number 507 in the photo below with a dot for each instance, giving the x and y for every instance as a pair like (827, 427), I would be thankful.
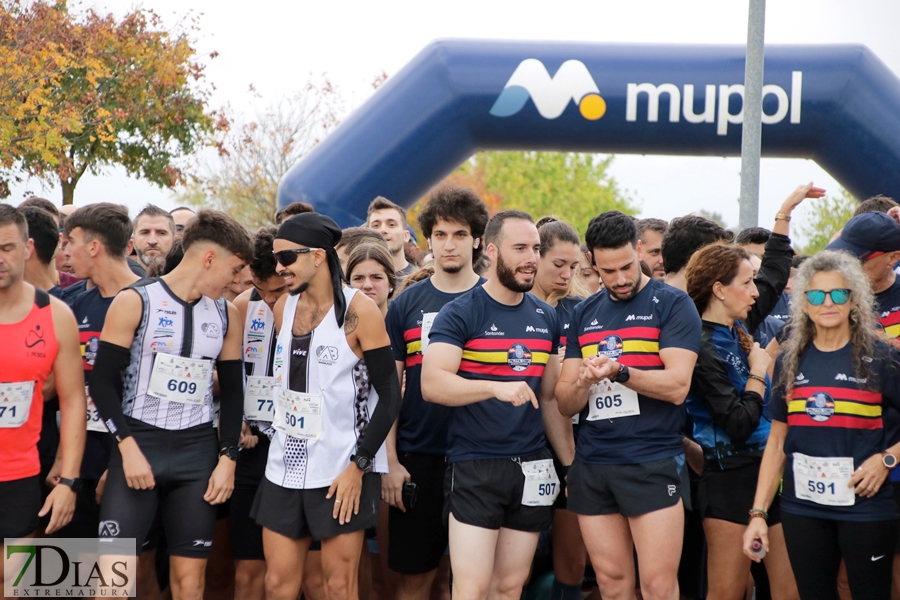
(547, 489)
(182, 387)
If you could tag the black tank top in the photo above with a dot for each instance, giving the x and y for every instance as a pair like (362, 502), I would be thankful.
(299, 361)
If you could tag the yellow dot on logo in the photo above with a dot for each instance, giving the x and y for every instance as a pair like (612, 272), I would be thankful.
(592, 107)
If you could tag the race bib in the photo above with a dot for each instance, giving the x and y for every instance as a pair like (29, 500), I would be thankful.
(179, 379)
(823, 480)
(608, 400)
(541, 483)
(427, 322)
(94, 422)
(259, 399)
(298, 415)
(15, 403)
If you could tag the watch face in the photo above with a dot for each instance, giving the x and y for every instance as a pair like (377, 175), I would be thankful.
(890, 461)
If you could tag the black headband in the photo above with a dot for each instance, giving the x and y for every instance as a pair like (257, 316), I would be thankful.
(315, 230)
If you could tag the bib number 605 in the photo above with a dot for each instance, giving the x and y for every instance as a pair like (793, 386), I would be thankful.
(614, 401)
(182, 387)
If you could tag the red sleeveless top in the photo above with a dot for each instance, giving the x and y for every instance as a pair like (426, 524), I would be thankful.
(27, 354)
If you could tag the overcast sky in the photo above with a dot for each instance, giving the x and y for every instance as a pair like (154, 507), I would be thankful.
(275, 44)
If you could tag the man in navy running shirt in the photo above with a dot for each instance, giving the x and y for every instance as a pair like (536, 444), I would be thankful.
(491, 355)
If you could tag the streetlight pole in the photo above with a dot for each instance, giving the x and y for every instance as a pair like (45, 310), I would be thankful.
(751, 130)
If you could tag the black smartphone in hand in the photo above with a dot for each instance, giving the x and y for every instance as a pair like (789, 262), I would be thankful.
(410, 490)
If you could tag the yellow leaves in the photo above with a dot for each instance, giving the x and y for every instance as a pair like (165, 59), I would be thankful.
(79, 91)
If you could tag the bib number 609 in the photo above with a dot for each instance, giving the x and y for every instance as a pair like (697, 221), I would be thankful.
(614, 401)
(182, 387)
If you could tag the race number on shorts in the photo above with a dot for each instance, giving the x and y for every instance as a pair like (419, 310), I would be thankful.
(179, 379)
(541, 483)
(15, 403)
(824, 480)
(298, 415)
(259, 399)
(608, 400)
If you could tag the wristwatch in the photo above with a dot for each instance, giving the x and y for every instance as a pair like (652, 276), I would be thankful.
(888, 460)
(623, 374)
(75, 484)
(231, 452)
(363, 462)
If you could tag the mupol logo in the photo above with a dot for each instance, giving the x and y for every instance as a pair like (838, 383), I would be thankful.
(551, 95)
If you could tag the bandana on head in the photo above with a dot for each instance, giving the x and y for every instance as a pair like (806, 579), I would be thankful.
(314, 230)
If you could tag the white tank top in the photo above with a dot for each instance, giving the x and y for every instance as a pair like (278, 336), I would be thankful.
(172, 326)
(348, 400)
(259, 337)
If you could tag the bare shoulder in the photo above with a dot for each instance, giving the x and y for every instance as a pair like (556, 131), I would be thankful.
(361, 309)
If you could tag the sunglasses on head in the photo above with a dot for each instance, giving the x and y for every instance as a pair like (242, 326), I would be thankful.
(289, 257)
(838, 296)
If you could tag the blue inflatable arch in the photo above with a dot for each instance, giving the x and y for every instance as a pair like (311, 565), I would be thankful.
(836, 104)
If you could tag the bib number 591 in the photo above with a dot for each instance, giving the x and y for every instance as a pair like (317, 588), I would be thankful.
(820, 487)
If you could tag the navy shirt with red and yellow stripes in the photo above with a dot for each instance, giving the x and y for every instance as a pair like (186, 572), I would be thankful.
(887, 316)
(832, 413)
(422, 426)
(90, 308)
(632, 332)
(565, 310)
(499, 343)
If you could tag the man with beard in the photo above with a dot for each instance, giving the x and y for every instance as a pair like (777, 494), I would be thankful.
(491, 355)
(630, 355)
(336, 398)
(154, 234)
(453, 221)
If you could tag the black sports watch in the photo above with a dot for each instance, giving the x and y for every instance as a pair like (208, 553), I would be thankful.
(888, 460)
(363, 462)
(75, 484)
(231, 452)
(623, 374)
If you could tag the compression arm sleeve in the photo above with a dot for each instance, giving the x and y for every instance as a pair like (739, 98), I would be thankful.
(383, 375)
(106, 387)
(231, 397)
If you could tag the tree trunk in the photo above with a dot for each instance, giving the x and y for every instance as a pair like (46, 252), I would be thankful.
(68, 191)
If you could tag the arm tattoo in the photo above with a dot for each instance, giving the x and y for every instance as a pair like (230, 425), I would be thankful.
(350, 321)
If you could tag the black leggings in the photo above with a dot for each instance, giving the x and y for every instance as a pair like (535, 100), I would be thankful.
(816, 547)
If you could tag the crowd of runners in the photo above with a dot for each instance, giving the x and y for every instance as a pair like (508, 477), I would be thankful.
(510, 407)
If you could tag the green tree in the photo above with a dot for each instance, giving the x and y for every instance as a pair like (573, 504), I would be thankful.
(123, 92)
(575, 187)
(823, 219)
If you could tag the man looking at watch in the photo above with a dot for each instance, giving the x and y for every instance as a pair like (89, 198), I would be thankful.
(152, 384)
(630, 355)
(40, 339)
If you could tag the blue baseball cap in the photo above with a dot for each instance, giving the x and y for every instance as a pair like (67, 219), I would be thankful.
(868, 235)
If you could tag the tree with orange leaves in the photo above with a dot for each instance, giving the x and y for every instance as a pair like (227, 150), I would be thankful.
(80, 92)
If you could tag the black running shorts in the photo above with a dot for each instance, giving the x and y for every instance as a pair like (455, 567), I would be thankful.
(182, 462)
(20, 503)
(629, 490)
(419, 536)
(487, 493)
(299, 514)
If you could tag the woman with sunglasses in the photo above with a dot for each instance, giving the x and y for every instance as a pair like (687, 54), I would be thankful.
(827, 437)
